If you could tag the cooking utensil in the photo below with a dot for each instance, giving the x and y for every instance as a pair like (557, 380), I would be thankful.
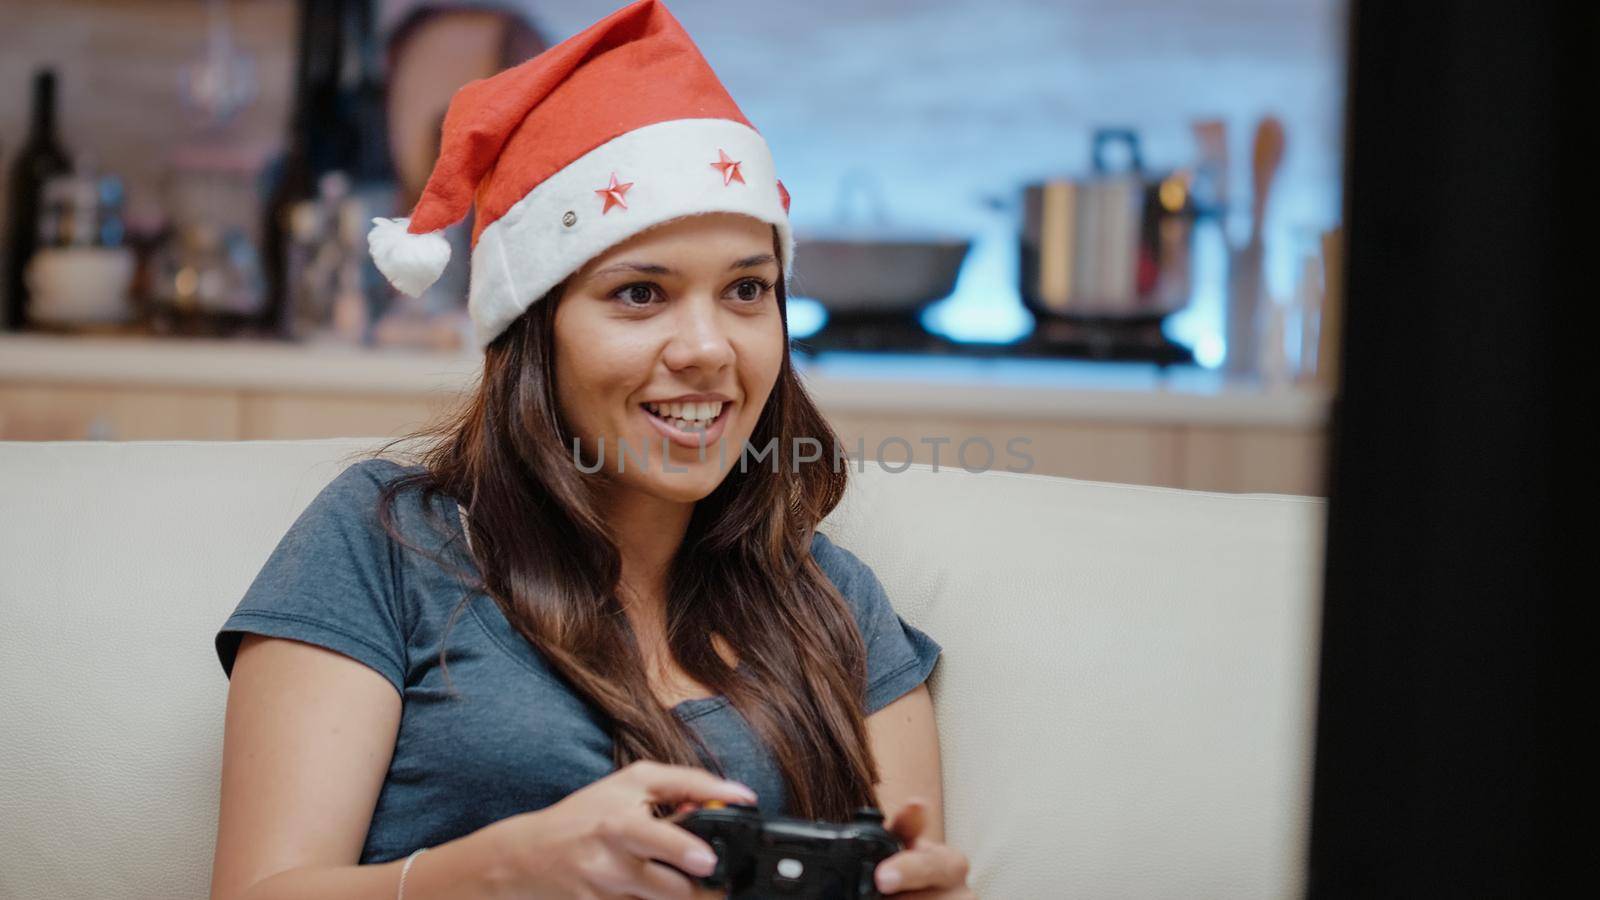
(1112, 246)
(1242, 320)
(1212, 171)
(878, 267)
(1247, 301)
(1265, 156)
(80, 285)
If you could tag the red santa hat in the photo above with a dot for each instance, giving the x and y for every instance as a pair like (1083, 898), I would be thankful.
(618, 128)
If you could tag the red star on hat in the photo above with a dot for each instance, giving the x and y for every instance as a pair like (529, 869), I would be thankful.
(613, 194)
(730, 169)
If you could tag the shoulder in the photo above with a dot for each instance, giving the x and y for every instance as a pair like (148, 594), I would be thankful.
(854, 578)
(899, 655)
(359, 485)
(367, 476)
(332, 579)
(835, 560)
(348, 505)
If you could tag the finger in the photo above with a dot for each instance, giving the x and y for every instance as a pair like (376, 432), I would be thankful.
(664, 783)
(685, 806)
(910, 821)
(621, 874)
(960, 893)
(930, 866)
(653, 839)
(656, 880)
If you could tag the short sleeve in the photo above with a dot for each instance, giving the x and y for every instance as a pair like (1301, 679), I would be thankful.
(899, 655)
(329, 581)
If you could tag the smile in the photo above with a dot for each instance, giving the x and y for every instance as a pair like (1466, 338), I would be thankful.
(688, 424)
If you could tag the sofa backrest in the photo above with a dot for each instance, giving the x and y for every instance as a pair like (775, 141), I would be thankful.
(1124, 701)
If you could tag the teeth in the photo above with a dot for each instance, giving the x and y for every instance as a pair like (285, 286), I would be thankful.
(689, 413)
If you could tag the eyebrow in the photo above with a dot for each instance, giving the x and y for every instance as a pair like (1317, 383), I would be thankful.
(653, 269)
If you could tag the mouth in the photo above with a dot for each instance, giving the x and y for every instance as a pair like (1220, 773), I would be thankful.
(688, 431)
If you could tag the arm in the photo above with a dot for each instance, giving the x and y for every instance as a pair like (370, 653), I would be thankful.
(306, 744)
(905, 742)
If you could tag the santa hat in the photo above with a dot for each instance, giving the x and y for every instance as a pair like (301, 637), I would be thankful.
(618, 128)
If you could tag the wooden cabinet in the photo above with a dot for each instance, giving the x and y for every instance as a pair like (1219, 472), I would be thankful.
(55, 412)
(1098, 451)
(1132, 424)
(1255, 459)
(291, 415)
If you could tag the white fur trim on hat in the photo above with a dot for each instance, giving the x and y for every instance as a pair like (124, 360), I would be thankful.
(411, 262)
(536, 244)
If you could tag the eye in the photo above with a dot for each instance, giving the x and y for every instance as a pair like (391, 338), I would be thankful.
(629, 292)
(761, 286)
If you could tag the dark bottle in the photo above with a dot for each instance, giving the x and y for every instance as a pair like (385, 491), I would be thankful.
(338, 124)
(40, 158)
(294, 181)
(364, 99)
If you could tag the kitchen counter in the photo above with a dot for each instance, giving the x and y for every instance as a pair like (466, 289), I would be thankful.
(857, 383)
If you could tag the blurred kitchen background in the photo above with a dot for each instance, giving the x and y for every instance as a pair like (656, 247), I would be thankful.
(1108, 227)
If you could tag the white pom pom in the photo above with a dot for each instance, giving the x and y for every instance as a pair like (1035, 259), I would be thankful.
(411, 262)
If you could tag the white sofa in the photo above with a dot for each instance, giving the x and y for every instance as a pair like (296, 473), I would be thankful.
(1124, 702)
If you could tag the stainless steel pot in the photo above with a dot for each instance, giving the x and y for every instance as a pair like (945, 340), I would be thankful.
(1115, 245)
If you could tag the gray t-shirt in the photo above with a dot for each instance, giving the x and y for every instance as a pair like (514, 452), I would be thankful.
(511, 737)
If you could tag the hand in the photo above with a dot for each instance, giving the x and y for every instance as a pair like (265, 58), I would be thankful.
(603, 841)
(924, 870)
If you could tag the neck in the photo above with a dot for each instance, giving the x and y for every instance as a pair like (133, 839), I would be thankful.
(648, 531)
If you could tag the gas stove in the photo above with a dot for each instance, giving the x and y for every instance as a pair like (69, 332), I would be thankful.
(1120, 341)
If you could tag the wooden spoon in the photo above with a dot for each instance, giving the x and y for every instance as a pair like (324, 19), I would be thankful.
(1266, 155)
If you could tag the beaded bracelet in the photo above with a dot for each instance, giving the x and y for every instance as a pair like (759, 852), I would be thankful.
(407, 868)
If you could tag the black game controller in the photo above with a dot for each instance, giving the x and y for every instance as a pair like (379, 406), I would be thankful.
(763, 857)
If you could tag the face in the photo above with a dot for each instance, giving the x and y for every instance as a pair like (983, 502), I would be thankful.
(671, 342)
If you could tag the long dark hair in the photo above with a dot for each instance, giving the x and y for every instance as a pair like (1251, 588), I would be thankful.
(744, 570)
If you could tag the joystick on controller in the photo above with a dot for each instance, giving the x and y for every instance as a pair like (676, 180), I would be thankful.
(764, 857)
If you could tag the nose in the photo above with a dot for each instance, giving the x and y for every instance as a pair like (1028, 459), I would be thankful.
(700, 338)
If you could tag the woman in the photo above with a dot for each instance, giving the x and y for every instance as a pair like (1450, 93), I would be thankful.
(489, 673)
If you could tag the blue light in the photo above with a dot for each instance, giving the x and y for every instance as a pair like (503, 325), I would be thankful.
(806, 316)
(985, 305)
(1201, 325)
